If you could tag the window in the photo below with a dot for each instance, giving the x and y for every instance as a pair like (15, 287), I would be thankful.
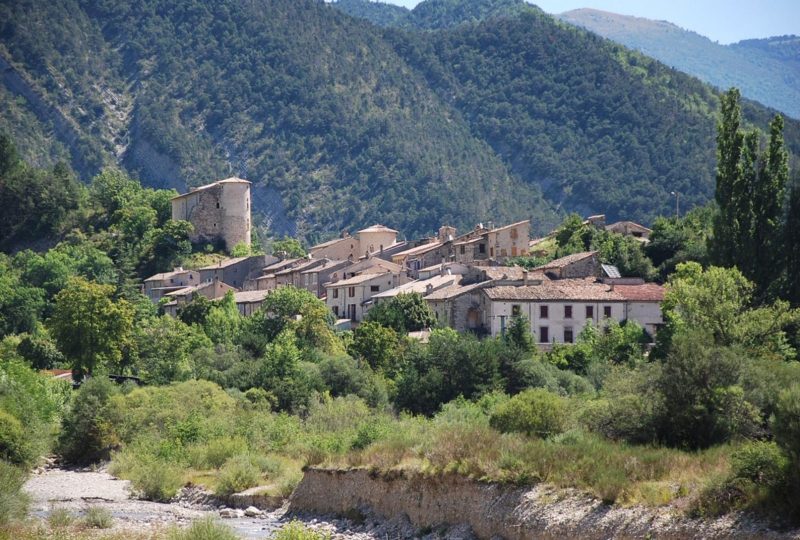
(513, 251)
(607, 311)
(374, 288)
(481, 248)
(568, 335)
(463, 249)
(503, 252)
(514, 234)
(516, 310)
(567, 312)
(217, 205)
(491, 252)
(351, 291)
(544, 334)
(590, 312)
(336, 293)
(543, 312)
(336, 310)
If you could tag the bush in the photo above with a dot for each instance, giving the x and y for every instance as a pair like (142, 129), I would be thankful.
(761, 462)
(295, 530)
(98, 518)
(238, 474)
(786, 422)
(152, 478)
(13, 444)
(534, 412)
(87, 435)
(216, 452)
(60, 517)
(13, 501)
(203, 529)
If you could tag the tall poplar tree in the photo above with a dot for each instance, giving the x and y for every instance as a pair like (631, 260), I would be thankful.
(768, 197)
(729, 151)
(791, 246)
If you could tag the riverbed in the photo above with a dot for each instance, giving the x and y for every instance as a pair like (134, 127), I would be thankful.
(77, 490)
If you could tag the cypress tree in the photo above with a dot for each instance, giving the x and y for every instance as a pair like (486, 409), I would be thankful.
(729, 150)
(743, 219)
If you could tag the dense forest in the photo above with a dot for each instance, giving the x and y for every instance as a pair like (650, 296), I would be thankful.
(493, 111)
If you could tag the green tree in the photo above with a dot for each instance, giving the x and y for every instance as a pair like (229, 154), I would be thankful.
(164, 347)
(729, 151)
(519, 333)
(791, 247)
(288, 248)
(768, 200)
(90, 328)
(404, 313)
(223, 322)
(376, 344)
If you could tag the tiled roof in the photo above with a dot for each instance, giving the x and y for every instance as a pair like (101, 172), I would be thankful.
(424, 248)
(627, 225)
(377, 228)
(224, 264)
(646, 292)
(280, 265)
(565, 261)
(329, 263)
(419, 286)
(513, 273)
(355, 280)
(248, 297)
(166, 275)
(331, 242)
(453, 291)
(562, 289)
(510, 225)
(231, 180)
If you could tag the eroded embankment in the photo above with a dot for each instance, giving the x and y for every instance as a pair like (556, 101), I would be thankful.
(497, 510)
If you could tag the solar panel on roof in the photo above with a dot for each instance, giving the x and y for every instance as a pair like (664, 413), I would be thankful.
(611, 271)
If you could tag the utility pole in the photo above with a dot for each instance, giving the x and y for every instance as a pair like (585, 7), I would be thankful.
(677, 207)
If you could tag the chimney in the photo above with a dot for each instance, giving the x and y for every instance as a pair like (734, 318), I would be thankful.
(525, 276)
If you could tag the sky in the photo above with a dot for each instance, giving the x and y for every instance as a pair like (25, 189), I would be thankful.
(725, 21)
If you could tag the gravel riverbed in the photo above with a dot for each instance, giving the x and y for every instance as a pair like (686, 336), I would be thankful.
(77, 490)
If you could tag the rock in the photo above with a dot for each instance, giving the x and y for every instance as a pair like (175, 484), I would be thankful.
(228, 513)
(252, 511)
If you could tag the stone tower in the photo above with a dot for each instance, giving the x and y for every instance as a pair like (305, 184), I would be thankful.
(218, 211)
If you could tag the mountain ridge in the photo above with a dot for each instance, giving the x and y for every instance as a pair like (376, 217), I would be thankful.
(340, 123)
(749, 65)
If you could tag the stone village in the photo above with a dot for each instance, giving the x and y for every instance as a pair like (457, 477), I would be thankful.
(463, 277)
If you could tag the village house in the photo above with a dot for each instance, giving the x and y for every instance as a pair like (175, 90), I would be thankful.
(558, 310)
(578, 265)
(220, 212)
(631, 228)
(315, 278)
(248, 302)
(423, 287)
(372, 241)
(213, 290)
(158, 285)
(236, 271)
(351, 298)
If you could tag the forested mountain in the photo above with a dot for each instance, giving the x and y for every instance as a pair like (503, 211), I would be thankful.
(340, 123)
(766, 70)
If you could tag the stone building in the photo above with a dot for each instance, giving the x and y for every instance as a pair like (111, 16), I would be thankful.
(372, 241)
(578, 265)
(218, 211)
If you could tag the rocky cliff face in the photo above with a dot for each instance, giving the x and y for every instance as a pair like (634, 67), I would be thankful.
(496, 510)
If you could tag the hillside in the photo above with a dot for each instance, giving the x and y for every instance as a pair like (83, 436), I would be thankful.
(340, 123)
(766, 70)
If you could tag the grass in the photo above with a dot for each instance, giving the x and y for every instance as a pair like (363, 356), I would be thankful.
(203, 529)
(97, 517)
(59, 518)
(296, 530)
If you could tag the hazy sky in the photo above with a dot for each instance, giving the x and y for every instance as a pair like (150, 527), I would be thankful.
(725, 21)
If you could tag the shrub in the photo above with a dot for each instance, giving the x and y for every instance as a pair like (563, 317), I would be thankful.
(296, 530)
(153, 479)
(238, 474)
(13, 444)
(98, 518)
(534, 412)
(786, 422)
(761, 462)
(13, 501)
(87, 435)
(60, 517)
(216, 452)
(203, 529)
